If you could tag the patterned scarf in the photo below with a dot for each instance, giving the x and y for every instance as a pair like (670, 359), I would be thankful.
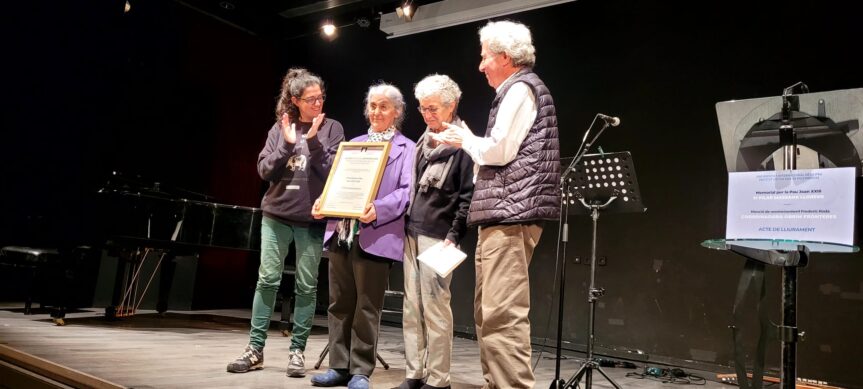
(384, 136)
(439, 162)
(348, 228)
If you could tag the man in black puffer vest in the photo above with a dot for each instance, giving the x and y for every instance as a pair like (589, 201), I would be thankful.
(517, 188)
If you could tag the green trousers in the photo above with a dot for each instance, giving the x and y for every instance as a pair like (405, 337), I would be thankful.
(276, 238)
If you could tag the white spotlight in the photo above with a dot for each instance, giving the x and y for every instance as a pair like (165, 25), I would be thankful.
(329, 29)
(406, 11)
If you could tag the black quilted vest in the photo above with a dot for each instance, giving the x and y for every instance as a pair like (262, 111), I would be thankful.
(528, 188)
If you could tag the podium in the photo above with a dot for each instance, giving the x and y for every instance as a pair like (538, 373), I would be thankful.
(772, 134)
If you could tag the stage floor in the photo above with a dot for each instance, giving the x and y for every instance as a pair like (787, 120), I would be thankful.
(191, 350)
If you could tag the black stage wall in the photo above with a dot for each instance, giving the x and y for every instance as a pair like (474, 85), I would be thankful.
(189, 100)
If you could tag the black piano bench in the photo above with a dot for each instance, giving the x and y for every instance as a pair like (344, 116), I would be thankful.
(37, 260)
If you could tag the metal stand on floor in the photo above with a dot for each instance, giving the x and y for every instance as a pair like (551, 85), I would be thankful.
(602, 182)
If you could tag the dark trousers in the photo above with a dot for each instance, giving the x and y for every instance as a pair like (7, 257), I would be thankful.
(358, 281)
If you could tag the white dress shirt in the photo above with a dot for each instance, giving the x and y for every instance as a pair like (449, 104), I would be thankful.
(515, 117)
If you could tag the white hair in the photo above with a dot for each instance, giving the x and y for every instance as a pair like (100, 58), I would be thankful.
(510, 38)
(393, 94)
(438, 85)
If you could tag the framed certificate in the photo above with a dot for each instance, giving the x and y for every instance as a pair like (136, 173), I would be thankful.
(354, 178)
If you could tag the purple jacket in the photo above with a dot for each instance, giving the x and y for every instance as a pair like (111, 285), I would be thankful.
(385, 236)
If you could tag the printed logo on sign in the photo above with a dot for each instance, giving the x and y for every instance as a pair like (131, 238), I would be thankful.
(297, 162)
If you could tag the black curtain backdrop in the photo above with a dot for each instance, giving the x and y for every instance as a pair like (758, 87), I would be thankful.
(175, 96)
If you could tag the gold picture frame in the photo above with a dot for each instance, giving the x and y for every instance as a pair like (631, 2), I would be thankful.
(354, 178)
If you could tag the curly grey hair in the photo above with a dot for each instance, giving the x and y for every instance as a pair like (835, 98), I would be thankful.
(394, 95)
(438, 85)
(510, 38)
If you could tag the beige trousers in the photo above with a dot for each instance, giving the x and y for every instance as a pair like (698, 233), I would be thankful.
(502, 303)
(427, 316)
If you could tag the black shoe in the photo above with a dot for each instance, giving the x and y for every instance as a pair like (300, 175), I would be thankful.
(250, 360)
(411, 383)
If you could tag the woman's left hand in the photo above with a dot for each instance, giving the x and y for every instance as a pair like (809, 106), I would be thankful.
(316, 124)
(369, 214)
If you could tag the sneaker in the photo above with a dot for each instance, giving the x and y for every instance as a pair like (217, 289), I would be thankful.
(297, 364)
(250, 360)
(359, 381)
(331, 377)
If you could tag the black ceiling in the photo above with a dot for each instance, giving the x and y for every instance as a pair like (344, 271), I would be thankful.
(290, 19)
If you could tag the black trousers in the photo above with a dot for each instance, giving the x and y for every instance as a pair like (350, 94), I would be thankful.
(358, 281)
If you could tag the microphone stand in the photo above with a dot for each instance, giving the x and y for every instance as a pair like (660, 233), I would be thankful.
(583, 148)
(563, 238)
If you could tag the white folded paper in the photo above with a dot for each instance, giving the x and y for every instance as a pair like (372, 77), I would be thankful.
(442, 259)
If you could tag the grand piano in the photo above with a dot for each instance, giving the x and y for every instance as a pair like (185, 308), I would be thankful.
(153, 223)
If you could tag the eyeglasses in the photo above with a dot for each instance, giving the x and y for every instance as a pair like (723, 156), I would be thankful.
(315, 99)
(432, 110)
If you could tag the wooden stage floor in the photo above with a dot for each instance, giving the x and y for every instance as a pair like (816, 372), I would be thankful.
(191, 349)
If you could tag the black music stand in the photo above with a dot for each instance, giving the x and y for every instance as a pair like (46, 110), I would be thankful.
(600, 182)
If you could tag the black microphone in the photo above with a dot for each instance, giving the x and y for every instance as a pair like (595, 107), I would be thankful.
(613, 121)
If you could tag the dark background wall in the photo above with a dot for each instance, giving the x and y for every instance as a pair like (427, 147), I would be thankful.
(174, 96)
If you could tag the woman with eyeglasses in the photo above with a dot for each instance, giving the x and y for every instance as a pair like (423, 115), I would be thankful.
(361, 251)
(296, 161)
(440, 198)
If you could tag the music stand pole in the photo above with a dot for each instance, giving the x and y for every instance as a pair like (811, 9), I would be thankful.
(563, 238)
(594, 294)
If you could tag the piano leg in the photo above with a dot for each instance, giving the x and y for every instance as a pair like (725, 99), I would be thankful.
(58, 316)
(125, 262)
(28, 303)
(166, 279)
(62, 291)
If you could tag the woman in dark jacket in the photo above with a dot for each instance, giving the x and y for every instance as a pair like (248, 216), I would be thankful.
(440, 198)
(296, 161)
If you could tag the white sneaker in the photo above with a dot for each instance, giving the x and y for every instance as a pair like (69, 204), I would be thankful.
(297, 364)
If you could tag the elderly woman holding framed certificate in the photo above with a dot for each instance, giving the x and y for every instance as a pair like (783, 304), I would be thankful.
(363, 248)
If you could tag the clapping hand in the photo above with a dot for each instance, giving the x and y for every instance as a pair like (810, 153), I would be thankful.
(288, 131)
(316, 125)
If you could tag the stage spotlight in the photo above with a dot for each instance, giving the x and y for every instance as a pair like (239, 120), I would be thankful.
(329, 30)
(406, 11)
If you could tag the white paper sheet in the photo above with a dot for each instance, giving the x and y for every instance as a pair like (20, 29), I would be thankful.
(442, 259)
